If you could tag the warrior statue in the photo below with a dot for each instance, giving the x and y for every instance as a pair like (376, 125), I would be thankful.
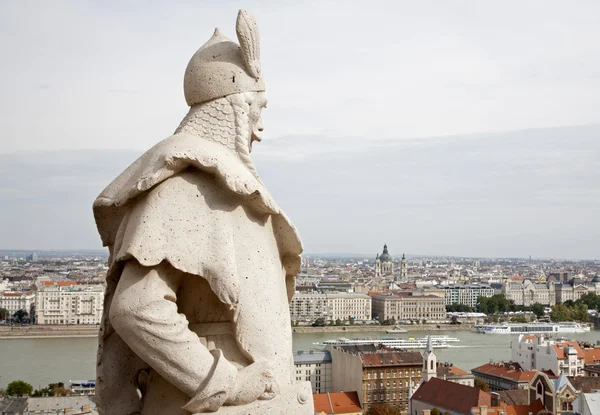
(202, 260)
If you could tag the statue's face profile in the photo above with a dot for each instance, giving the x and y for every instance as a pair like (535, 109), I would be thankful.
(256, 103)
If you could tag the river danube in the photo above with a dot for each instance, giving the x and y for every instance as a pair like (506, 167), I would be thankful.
(43, 361)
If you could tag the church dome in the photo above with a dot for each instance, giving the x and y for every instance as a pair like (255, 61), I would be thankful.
(385, 256)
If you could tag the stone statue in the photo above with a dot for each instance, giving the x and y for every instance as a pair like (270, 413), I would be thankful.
(202, 260)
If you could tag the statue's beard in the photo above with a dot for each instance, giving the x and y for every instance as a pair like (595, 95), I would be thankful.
(224, 121)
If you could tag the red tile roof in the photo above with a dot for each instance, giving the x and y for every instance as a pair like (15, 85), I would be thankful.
(533, 408)
(591, 356)
(337, 402)
(59, 283)
(450, 370)
(510, 370)
(397, 358)
(559, 349)
(451, 396)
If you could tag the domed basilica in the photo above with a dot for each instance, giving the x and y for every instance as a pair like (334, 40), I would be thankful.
(384, 265)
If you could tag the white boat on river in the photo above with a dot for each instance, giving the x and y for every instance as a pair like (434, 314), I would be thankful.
(531, 328)
(438, 342)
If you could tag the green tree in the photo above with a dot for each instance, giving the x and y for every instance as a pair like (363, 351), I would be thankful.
(560, 312)
(19, 388)
(338, 322)
(484, 386)
(580, 313)
(4, 314)
(569, 303)
(320, 322)
(20, 315)
(518, 319)
(435, 411)
(591, 300)
(538, 310)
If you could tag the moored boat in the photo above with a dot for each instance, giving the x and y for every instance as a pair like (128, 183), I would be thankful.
(531, 328)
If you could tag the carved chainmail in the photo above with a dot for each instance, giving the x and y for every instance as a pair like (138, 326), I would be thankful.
(225, 121)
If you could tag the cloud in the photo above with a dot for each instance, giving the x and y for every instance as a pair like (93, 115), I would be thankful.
(511, 194)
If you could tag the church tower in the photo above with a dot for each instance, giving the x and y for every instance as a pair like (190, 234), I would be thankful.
(383, 263)
(403, 270)
(429, 362)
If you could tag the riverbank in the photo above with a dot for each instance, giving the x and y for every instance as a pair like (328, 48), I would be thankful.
(377, 328)
(47, 332)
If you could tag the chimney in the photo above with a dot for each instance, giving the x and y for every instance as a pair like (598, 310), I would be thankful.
(483, 410)
(426, 411)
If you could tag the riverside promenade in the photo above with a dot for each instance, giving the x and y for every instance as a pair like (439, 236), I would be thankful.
(59, 331)
(377, 328)
(47, 332)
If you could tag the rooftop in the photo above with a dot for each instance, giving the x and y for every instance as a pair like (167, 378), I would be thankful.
(389, 358)
(302, 357)
(451, 396)
(336, 402)
(508, 370)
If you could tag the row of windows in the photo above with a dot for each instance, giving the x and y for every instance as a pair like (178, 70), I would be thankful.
(386, 374)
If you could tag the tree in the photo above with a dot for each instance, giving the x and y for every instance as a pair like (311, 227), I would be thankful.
(518, 319)
(20, 315)
(580, 313)
(569, 303)
(538, 310)
(19, 388)
(4, 314)
(320, 322)
(389, 322)
(484, 386)
(338, 322)
(435, 411)
(383, 410)
(560, 312)
(591, 300)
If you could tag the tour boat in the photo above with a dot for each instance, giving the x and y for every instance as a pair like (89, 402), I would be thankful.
(531, 328)
(437, 342)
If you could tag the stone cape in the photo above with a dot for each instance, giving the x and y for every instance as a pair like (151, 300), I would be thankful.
(128, 239)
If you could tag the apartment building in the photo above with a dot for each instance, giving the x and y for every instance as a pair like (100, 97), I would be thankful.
(381, 376)
(314, 366)
(15, 301)
(467, 294)
(539, 353)
(409, 306)
(308, 307)
(65, 302)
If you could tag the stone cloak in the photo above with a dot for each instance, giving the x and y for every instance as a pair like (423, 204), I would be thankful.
(111, 209)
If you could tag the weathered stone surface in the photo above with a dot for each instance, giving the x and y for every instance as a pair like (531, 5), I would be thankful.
(203, 261)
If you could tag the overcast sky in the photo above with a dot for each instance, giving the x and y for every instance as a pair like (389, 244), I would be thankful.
(108, 75)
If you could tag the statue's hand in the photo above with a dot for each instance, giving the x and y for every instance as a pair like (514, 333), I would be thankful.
(254, 382)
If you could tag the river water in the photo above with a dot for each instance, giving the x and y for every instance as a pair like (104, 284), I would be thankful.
(44, 361)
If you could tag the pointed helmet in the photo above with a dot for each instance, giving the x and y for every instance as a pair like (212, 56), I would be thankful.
(221, 67)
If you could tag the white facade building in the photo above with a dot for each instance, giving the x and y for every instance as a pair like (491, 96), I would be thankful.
(467, 294)
(346, 306)
(64, 302)
(539, 353)
(15, 301)
(343, 306)
(527, 292)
